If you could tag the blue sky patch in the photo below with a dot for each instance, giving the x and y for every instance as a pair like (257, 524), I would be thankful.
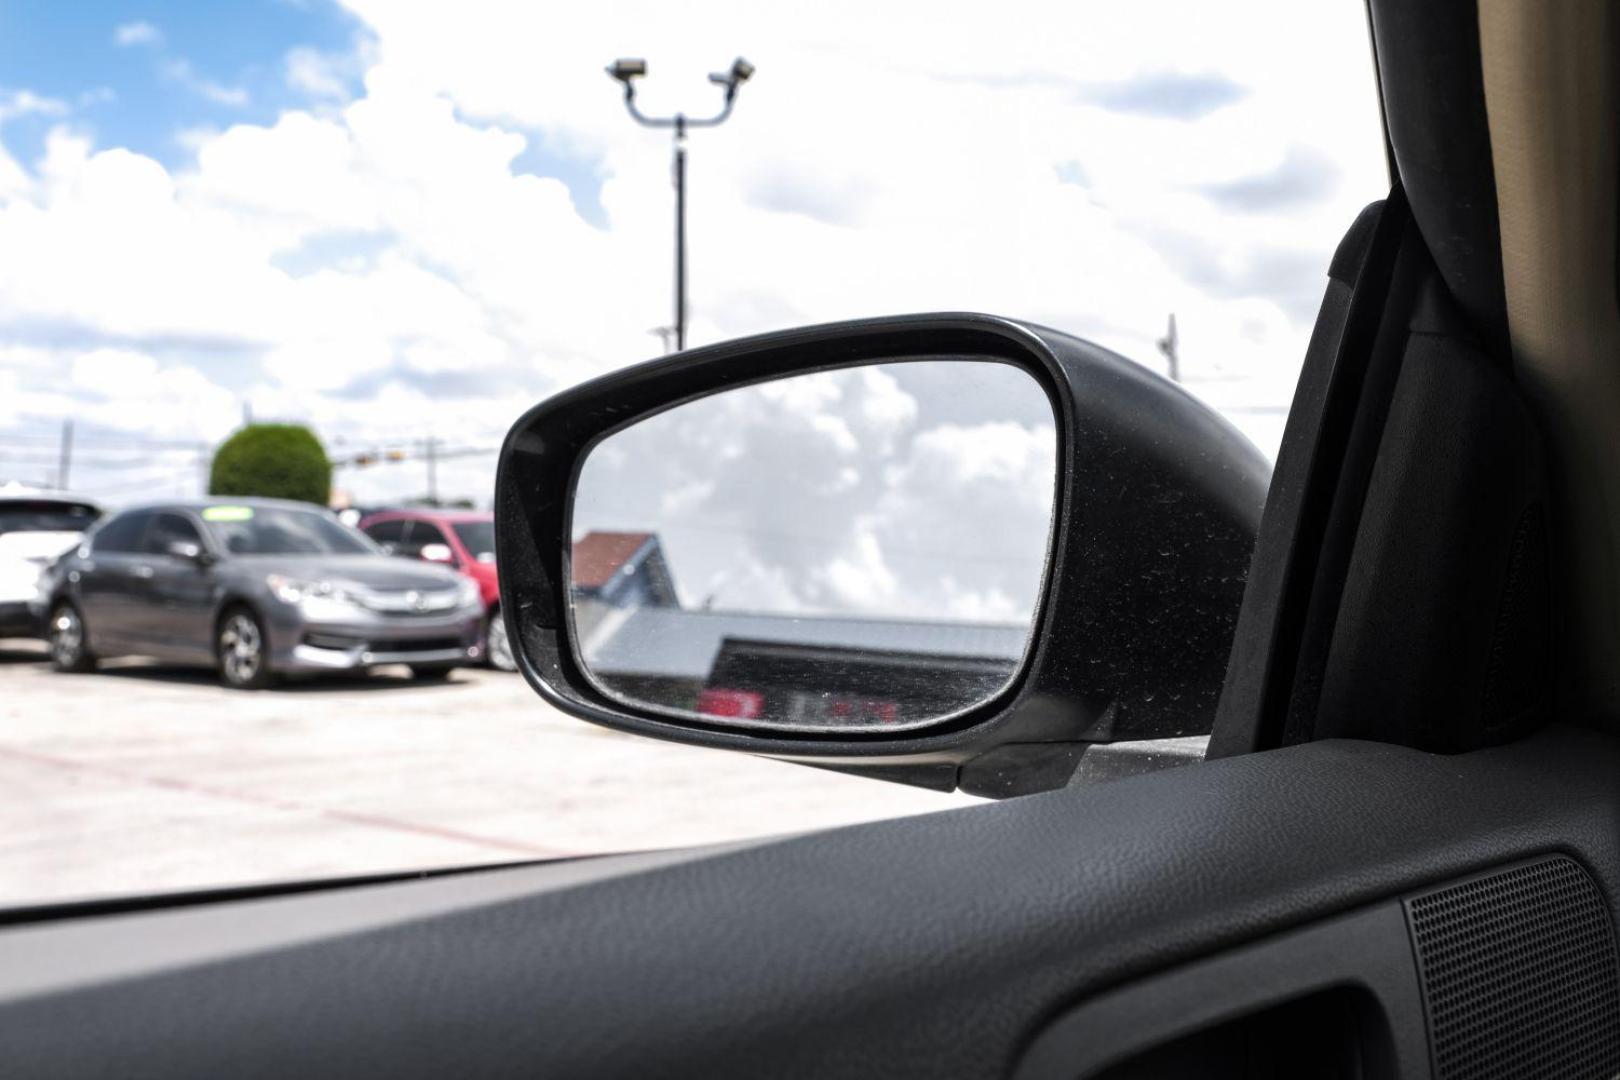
(349, 250)
(138, 75)
(144, 75)
(582, 176)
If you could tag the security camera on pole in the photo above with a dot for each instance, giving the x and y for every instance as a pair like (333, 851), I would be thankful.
(626, 72)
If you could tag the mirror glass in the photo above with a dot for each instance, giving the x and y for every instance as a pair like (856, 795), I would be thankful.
(860, 549)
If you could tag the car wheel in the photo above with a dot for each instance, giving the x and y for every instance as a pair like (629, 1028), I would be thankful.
(497, 646)
(243, 650)
(69, 644)
(432, 672)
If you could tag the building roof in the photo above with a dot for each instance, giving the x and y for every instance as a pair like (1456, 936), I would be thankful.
(599, 555)
(681, 643)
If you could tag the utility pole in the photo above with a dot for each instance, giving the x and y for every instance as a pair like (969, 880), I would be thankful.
(65, 456)
(433, 470)
(626, 72)
(1170, 346)
(680, 232)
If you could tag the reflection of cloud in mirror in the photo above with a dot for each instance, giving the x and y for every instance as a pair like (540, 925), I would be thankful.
(914, 490)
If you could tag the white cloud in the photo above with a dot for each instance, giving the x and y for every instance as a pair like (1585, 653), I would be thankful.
(318, 74)
(27, 103)
(18, 103)
(914, 490)
(170, 397)
(182, 72)
(137, 33)
(107, 387)
(377, 267)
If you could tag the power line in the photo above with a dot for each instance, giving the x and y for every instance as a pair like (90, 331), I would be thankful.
(171, 476)
(134, 442)
(93, 463)
(431, 451)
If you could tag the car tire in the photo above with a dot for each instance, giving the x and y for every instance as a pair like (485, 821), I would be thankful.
(68, 640)
(497, 646)
(432, 672)
(242, 650)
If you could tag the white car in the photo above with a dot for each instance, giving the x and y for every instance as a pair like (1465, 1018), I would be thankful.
(36, 528)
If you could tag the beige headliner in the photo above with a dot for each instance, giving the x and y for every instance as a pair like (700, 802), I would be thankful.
(1550, 70)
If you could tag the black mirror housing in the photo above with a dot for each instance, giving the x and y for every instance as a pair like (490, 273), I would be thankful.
(1157, 507)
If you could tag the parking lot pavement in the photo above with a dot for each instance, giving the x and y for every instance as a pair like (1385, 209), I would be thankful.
(143, 779)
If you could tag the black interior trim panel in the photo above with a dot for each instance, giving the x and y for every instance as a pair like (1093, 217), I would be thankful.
(801, 956)
(1505, 973)
(1369, 951)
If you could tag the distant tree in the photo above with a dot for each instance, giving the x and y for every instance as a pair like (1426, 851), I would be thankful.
(280, 461)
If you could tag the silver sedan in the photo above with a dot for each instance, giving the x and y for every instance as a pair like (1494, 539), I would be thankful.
(256, 588)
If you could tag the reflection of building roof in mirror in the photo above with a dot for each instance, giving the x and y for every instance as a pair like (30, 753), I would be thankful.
(622, 569)
(600, 555)
(678, 643)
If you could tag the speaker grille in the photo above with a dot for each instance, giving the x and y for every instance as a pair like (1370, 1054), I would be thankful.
(1519, 974)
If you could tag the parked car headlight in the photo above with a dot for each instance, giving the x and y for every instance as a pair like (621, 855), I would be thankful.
(467, 593)
(291, 590)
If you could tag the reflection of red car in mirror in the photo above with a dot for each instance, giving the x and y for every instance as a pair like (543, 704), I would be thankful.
(822, 708)
(742, 704)
(463, 540)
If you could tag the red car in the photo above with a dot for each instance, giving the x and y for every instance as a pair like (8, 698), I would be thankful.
(461, 539)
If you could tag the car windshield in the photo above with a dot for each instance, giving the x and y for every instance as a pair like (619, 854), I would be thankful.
(317, 259)
(478, 537)
(248, 530)
(45, 517)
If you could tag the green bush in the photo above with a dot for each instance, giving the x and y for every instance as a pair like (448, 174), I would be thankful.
(280, 461)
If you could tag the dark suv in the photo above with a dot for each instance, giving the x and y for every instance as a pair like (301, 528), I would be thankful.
(257, 588)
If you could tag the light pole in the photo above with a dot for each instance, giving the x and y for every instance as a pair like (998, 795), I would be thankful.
(1170, 346)
(627, 72)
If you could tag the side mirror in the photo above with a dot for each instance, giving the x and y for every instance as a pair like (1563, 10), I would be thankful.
(190, 552)
(952, 550)
(438, 553)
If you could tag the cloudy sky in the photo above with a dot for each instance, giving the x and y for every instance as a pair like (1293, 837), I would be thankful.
(396, 221)
(912, 490)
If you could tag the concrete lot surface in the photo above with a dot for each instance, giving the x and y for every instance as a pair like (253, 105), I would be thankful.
(143, 779)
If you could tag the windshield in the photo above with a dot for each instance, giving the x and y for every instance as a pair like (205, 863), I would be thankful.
(280, 531)
(46, 517)
(478, 537)
(319, 257)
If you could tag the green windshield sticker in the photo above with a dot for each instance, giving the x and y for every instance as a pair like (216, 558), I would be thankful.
(227, 513)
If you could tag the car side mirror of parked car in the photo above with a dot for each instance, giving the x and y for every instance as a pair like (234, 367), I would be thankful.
(437, 553)
(190, 552)
(953, 550)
